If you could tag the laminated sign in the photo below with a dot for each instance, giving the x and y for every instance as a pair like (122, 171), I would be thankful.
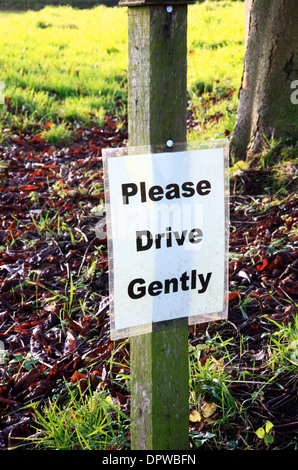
(167, 236)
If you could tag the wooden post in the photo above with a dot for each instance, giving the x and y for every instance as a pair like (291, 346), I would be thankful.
(157, 50)
(157, 103)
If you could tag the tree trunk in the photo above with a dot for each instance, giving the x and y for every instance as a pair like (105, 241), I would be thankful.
(266, 110)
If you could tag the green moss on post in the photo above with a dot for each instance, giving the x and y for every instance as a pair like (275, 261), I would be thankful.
(157, 102)
(160, 394)
(157, 106)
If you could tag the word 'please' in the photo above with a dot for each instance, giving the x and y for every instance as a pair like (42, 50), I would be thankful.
(171, 191)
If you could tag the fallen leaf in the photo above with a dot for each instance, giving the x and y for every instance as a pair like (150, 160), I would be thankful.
(77, 376)
(208, 409)
(195, 416)
(234, 296)
(70, 343)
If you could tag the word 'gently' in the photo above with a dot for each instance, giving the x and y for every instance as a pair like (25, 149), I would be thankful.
(171, 191)
(138, 288)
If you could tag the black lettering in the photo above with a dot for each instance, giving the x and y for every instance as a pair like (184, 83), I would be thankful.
(169, 282)
(127, 191)
(203, 187)
(169, 236)
(140, 290)
(142, 246)
(193, 278)
(143, 191)
(158, 238)
(156, 193)
(180, 240)
(155, 288)
(184, 278)
(195, 235)
(173, 191)
(189, 190)
(204, 282)
(137, 288)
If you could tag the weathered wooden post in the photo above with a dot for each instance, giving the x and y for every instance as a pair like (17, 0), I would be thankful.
(157, 102)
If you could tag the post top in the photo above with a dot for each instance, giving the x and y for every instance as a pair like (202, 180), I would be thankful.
(135, 3)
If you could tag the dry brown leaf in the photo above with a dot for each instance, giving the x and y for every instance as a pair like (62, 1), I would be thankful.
(195, 416)
(208, 409)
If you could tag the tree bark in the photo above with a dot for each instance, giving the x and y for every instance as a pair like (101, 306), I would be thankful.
(265, 109)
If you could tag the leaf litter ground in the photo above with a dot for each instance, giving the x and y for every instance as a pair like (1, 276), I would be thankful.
(54, 309)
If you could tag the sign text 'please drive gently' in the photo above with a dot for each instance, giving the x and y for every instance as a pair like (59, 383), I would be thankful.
(167, 227)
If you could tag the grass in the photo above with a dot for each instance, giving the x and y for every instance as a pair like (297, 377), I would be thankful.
(284, 346)
(215, 381)
(85, 421)
(215, 62)
(58, 65)
(68, 67)
(65, 68)
(272, 172)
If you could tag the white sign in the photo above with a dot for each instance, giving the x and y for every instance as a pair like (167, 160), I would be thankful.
(167, 227)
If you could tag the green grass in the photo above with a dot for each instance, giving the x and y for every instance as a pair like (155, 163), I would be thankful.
(64, 68)
(215, 63)
(58, 64)
(233, 394)
(69, 66)
(89, 420)
(215, 51)
(85, 421)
